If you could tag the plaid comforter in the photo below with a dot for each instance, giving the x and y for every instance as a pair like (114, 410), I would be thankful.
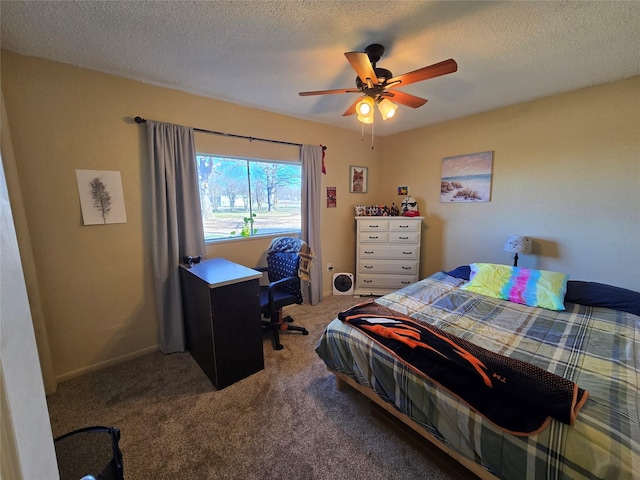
(595, 347)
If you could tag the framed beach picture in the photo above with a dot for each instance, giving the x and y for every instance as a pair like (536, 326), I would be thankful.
(466, 178)
(358, 179)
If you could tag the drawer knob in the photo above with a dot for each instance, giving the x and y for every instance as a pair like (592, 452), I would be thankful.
(368, 251)
(367, 281)
(406, 268)
(407, 253)
(403, 226)
(372, 238)
(368, 266)
(403, 238)
(404, 282)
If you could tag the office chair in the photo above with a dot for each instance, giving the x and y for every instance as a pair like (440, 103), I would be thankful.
(283, 262)
(90, 453)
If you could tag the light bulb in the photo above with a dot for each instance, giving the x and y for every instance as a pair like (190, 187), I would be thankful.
(365, 106)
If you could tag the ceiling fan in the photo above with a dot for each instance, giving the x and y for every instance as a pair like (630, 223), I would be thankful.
(378, 85)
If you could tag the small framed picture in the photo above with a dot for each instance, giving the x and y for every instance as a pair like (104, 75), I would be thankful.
(358, 178)
(332, 197)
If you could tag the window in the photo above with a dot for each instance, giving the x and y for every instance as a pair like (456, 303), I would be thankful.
(247, 197)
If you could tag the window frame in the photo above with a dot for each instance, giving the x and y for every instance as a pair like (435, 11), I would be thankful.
(251, 209)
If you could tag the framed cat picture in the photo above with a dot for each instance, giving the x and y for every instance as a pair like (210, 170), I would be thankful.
(358, 178)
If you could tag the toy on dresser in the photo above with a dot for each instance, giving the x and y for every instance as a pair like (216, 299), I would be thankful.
(378, 211)
(410, 207)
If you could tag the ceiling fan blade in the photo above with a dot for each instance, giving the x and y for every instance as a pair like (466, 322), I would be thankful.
(352, 108)
(424, 73)
(328, 92)
(406, 98)
(362, 65)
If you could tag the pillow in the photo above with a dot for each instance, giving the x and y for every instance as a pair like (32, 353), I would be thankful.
(536, 288)
(463, 272)
(600, 295)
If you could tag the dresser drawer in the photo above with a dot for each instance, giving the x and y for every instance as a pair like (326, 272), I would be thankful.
(394, 282)
(404, 237)
(388, 252)
(373, 225)
(388, 266)
(405, 226)
(373, 237)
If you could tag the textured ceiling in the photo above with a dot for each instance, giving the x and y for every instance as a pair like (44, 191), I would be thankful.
(262, 53)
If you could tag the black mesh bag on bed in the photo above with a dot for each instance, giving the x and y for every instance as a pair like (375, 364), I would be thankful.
(90, 452)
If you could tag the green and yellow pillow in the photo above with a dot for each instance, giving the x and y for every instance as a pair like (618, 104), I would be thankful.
(536, 288)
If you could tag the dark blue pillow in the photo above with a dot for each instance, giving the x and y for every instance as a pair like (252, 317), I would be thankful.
(462, 272)
(594, 294)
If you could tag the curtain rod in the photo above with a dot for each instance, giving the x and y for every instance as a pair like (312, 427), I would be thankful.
(213, 132)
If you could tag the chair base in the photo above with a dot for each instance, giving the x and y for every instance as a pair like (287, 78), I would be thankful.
(275, 327)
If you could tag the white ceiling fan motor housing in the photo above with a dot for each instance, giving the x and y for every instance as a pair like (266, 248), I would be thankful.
(343, 283)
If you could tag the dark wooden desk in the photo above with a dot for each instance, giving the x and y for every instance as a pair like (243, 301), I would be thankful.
(223, 326)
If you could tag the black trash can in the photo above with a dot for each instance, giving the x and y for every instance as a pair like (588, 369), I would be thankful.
(90, 452)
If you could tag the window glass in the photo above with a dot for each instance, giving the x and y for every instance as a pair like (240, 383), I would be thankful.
(248, 197)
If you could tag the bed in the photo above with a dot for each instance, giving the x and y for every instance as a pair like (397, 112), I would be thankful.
(593, 341)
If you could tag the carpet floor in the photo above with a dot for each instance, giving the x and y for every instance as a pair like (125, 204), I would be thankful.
(287, 421)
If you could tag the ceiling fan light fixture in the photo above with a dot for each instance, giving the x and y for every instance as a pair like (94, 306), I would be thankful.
(364, 110)
(365, 107)
(387, 108)
(368, 120)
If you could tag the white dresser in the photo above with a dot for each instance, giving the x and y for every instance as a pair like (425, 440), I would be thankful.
(387, 253)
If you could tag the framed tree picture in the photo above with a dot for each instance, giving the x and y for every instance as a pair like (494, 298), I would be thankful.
(101, 197)
(358, 179)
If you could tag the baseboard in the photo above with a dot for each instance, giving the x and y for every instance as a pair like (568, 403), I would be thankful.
(107, 363)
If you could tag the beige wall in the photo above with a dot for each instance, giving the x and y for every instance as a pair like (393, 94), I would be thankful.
(26, 441)
(96, 280)
(566, 171)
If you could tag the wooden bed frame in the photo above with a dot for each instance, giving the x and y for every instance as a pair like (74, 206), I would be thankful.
(342, 380)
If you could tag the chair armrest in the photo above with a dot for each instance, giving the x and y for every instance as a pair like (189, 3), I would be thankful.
(283, 280)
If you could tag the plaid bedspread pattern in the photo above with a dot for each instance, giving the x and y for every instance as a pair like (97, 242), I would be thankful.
(595, 347)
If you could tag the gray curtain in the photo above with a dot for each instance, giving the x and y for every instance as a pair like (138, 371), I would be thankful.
(176, 222)
(311, 159)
